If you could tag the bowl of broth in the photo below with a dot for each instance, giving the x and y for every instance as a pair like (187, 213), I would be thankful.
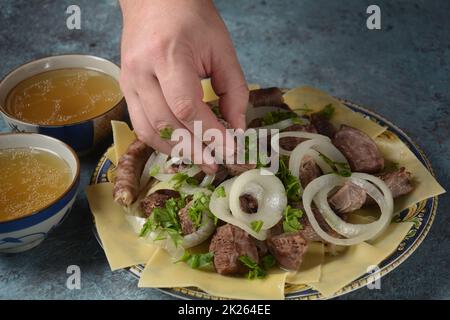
(70, 97)
(39, 182)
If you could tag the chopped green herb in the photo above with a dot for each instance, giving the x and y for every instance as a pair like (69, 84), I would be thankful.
(154, 170)
(164, 221)
(340, 168)
(197, 260)
(179, 178)
(327, 111)
(200, 204)
(216, 111)
(256, 225)
(291, 221)
(255, 272)
(277, 116)
(220, 192)
(268, 261)
(291, 183)
(166, 133)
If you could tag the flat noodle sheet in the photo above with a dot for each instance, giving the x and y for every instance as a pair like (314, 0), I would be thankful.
(123, 136)
(122, 246)
(311, 268)
(338, 271)
(311, 98)
(161, 272)
(208, 92)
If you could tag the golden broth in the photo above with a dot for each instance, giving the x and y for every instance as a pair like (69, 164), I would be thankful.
(63, 96)
(30, 179)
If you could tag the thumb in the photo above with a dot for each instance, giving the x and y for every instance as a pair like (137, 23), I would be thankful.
(229, 84)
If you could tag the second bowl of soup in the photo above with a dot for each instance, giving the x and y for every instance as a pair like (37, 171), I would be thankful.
(69, 97)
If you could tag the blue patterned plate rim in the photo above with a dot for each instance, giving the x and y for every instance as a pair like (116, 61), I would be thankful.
(422, 214)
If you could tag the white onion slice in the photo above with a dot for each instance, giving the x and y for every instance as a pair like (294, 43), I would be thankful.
(275, 141)
(355, 233)
(220, 207)
(201, 234)
(268, 191)
(145, 177)
(313, 147)
(207, 180)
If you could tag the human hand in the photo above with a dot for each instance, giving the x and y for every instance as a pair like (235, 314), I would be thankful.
(167, 47)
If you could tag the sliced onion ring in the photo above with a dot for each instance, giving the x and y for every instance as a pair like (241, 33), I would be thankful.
(220, 207)
(358, 233)
(269, 193)
(313, 147)
(275, 141)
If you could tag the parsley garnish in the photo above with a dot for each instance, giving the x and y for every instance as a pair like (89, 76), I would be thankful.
(179, 178)
(291, 221)
(277, 116)
(327, 111)
(164, 221)
(255, 272)
(200, 204)
(198, 260)
(166, 133)
(340, 168)
(268, 262)
(291, 183)
(220, 192)
(256, 225)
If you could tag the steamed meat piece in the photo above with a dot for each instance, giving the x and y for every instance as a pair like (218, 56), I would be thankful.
(288, 249)
(237, 169)
(348, 198)
(351, 197)
(220, 176)
(399, 182)
(309, 171)
(307, 231)
(157, 200)
(261, 246)
(359, 149)
(248, 203)
(228, 244)
(255, 123)
(322, 125)
(266, 97)
(187, 226)
(289, 143)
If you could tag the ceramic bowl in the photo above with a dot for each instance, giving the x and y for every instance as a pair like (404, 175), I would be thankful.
(82, 136)
(29, 231)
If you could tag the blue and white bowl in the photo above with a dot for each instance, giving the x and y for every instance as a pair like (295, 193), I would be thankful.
(29, 231)
(82, 136)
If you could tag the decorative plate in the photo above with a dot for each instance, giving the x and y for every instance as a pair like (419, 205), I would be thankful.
(422, 214)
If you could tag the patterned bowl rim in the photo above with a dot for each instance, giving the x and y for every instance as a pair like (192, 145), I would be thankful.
(428, 207)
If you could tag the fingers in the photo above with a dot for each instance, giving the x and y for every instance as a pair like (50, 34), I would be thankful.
(161, 118)
(143, 129)
(183, 92)
(229, 84)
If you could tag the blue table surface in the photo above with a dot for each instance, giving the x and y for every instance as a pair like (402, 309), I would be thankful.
(401, 71)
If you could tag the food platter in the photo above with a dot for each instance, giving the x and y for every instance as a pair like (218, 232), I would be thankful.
(421, 214)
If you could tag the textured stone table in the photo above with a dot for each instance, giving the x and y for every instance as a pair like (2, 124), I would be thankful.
(401, 71)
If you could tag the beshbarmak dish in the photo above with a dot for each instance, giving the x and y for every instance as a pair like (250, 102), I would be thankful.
(335, 192)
